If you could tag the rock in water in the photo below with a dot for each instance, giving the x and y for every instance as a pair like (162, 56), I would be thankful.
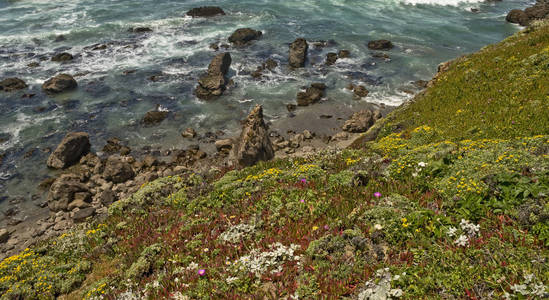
(298, 53)
(360, 92)
(518, 16)
(361, 121)
(331, 58)
(12, 84)
(70, 150)
(243, 36)
(118, 170)
(205, 11)
(63, 191)
(214, 83)
(253, 144)
(312, 94)
(59, 84)
(380, 45)
(61, 57)
(154, 117)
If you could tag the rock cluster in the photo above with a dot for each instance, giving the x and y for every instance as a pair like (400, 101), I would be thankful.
(254, 144)
(524, 17)
(214, 83)
(298, 53)
(311, 95)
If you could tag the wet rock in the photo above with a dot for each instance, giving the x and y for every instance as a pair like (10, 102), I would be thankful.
(298, 53)
(344, 54)
(99, 47)
(189, 133)
(518, 16)
(205, 11)
(360, 91)
(311, 95)
(422, 84)
(270, 64)
(70, 150)
(380, 45)
(12, 84)
(140, 29)
(214, 83)
(331, 58)
(291, 107)
(244, 36)
(82, 214)
(361, 121)
(2, 158)
(59, 84)
(253, 144)
(4, 235)
(154, 117)
(214, 46)
(60, 38)
(63, 190)
(113, 146)
(61, 57)
(117, 169)
(33, 65)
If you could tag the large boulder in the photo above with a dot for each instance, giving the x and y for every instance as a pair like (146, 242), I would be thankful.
(214, 83)
(361, 121)
(12, 84)
(60, 83)
(380, 45)
(117, 169)
(243, 36)
(518, 16)
(70, 150)
(298, 53)
(205, 11)
(63, 191)
(253, 144)
(538, 11)
(311, 95)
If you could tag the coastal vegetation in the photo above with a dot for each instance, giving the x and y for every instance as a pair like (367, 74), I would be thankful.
(450, 201)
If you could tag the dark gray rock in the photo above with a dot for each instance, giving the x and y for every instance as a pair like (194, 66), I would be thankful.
(12, 84)
(205, 11)
(243, 36)
(70, 150)
(59, 84)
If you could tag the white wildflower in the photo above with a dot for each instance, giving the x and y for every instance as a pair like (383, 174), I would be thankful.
(470, 228)
(422, 164)
(462, 241)
(230, 280)
(258, 262)
(192, 266)
(452, 231)
(378, 227)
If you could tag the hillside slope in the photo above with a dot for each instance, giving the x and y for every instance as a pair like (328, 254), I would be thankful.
(450, 201)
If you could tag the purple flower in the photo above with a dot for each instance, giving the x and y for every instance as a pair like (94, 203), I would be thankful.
(377, 194)
(302, 201)
(201, 272)
(326, 227)
(303, 180)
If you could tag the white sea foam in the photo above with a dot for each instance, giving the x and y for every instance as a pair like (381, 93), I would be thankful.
(441, 2)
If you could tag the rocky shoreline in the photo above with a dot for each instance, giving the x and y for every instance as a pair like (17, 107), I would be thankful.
(88, 183)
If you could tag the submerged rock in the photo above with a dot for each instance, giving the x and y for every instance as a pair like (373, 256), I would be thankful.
(205, 11)
(360, 91)
(215, 82)
(361, 121)
(140, 29)
(60, 83)
(253, 144)
(61, 57)
(331, 58)
(154, 117)
(344, 54)
(12, 84)
(298, 53)
(188, 133)
(70, 150)
(380, 45)
(311, 95)
(243, 36)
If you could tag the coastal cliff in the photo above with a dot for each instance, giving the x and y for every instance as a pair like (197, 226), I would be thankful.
(446, 197)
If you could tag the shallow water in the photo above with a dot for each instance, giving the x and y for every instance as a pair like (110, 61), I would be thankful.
(109, 103)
